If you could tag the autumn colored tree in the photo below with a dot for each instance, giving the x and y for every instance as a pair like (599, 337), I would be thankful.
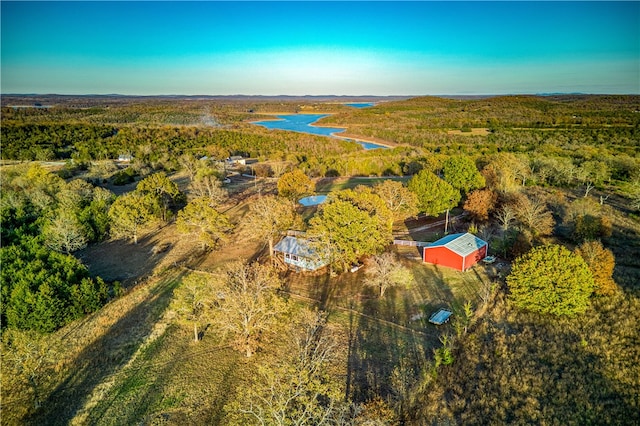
(200, 218)
(505, 172)
(435, 196)
(601, 262)
(262, 170)
(551, 279)
(248, 306)
(399, 199)
(294, 185)
(480, 203)
(268, 218)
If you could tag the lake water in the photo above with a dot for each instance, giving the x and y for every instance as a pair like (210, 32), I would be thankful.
(303, 123)
(300, 123)
(360, 104)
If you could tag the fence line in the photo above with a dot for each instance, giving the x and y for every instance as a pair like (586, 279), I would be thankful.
(410, 243)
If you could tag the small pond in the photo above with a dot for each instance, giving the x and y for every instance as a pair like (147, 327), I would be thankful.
(313, 200)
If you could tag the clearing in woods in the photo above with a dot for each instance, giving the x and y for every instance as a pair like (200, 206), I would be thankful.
(132, 362)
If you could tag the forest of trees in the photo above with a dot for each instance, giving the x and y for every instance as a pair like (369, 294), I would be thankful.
(553, 184)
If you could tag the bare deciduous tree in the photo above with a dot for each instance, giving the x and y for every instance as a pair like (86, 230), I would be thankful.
(268, 218)
(506, 216)
(248, 305)
(209, 186)
(65, 233)
(190, 164)
(297, 390)
(533, 215)
(385, 272)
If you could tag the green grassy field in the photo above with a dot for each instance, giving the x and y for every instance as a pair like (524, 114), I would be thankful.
(326, 185)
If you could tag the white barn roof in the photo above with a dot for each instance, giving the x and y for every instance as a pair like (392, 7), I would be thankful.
(461, 244)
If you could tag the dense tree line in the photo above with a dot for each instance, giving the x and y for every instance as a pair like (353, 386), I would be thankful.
(43, 290)
(45, 218)
(49, 141)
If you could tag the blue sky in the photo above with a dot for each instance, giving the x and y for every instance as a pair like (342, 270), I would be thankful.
(320, 48)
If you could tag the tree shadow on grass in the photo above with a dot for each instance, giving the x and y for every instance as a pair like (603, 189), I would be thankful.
(381, 356)
(106, 356)
(433, 289)
(121, 260)
(171, 388)
(323, 292)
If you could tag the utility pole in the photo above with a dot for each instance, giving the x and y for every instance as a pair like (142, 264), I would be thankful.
(446, 223)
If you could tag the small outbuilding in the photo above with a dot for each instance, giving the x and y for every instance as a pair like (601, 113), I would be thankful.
(458, 251)
(298, 253)
(440, 317)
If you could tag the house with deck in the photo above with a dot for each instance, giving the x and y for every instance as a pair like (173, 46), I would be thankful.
(297, 253)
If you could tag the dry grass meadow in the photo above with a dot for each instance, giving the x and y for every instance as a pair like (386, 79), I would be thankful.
(133, 362)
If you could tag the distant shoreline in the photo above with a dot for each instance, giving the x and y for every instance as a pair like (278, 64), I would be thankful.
(382, 142)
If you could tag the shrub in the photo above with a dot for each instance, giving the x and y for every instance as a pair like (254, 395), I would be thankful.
(588, 227)
(551, 279)
(601, 262)
(124, 177)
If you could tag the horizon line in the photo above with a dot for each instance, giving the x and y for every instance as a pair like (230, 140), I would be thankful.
(325, 95)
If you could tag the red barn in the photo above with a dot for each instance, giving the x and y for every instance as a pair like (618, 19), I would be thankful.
(458, 251)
